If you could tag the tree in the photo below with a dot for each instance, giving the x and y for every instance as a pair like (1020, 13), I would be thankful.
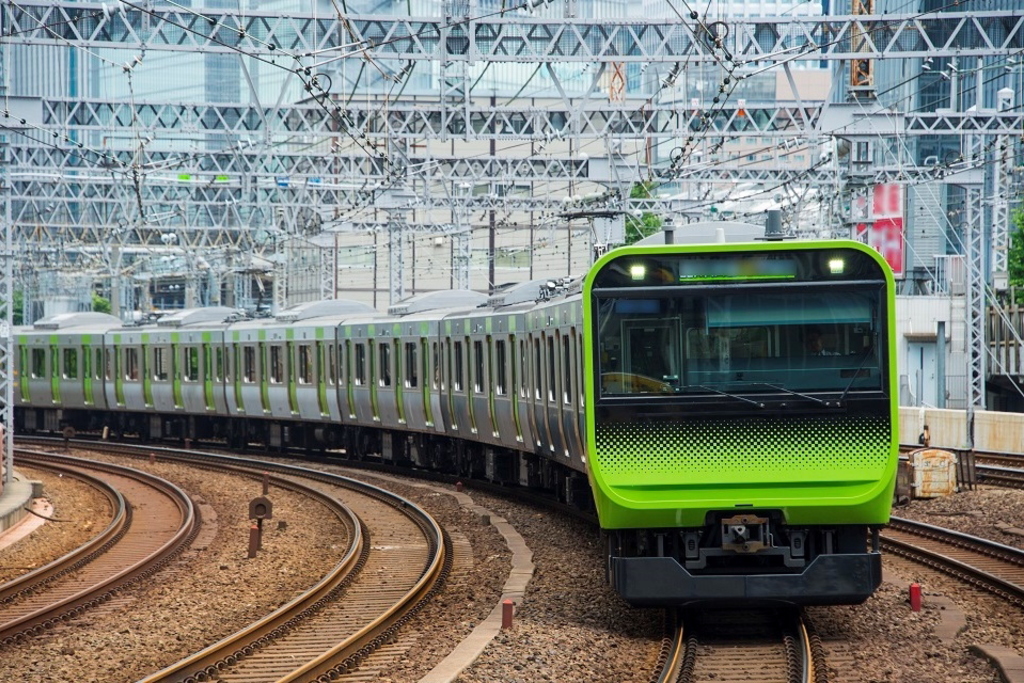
(648, 223)
(100, 304)
(18, 304)
(1015, 255)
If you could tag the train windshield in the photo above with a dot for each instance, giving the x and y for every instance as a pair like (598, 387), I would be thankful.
(740, 341)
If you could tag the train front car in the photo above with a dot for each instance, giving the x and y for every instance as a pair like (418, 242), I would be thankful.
(741, 420)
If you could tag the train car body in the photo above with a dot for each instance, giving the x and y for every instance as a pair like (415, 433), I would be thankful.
(728, 461)
(671, 390)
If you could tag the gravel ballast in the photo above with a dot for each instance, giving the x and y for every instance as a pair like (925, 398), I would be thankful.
(569, 626)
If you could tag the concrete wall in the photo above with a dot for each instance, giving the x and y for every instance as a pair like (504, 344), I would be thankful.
(993, 431)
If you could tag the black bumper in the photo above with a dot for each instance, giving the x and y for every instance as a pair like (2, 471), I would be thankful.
(827, 580)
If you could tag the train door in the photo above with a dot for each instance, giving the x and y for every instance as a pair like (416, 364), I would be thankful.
(290, 351)
(399, 379)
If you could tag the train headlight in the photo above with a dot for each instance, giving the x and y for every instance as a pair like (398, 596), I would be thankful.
(836, 266)
(638, 272)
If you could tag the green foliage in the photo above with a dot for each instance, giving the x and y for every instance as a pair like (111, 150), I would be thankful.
(100, 304)
(1015, 255)
(19, 308)
(648, 223)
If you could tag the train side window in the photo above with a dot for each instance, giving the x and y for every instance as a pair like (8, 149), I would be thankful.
(478, 366)
(276, 366)
(411, 366)
(360, 369)
(566, 371)
(537, 372)
(108, 373)
(131, 364)
(192, 364)
(551, 369)
(70, 363)
(333, 369)
(457, 379)
(97, 369)
(500, 363)
(289, 362)
(38, 363)
(524, 370)
(305, 364)
(385, 364)
(218, 364)
(160, 363)
(249, 364)
(435, 381)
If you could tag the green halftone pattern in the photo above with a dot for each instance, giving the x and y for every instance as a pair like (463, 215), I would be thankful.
(743, 450)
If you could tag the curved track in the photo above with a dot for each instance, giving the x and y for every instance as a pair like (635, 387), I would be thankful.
(152, 521)
(397, 559)
(995, 567)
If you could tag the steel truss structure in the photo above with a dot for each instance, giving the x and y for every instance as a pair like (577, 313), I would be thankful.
(90, 181)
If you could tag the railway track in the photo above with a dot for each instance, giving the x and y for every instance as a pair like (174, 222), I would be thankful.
(152, 521)
(760, 646)
(992, 566)
(398, 557)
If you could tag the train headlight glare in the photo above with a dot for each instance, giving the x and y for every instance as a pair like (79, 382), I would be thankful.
(836, 266)
(637, 272)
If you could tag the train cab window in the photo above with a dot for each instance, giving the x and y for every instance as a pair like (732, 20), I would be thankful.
(457, 369)
(305, 364)
(276, 365)
(385, 364)
(192, 364)
(360, 364)
(38, 363)
(161, 363)
(478, 366)
(131, 364)
(411, 366)
(70, 363)
(249, 364)
(500, 365)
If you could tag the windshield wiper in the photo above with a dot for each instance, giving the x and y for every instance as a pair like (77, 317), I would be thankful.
(727, 394)
(827, 404)
(856, 374)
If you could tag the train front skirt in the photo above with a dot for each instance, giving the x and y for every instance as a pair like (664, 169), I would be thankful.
(828, 579)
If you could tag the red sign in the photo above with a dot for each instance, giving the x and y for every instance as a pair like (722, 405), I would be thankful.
(882, 228)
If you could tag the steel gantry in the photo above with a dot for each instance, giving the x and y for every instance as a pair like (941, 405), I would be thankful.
(108, 177)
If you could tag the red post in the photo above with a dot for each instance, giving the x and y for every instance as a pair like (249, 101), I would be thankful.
(915, 597)
(458, 487)
(254, 540)
(507, 607)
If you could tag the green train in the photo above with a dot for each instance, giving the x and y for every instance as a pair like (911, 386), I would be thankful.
(728, 410)
(741, 433)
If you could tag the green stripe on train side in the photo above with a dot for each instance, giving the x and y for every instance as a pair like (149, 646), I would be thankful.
(147, 382)
(24, 355)
(208, 352)
(54, 370)
(118, 371)
(176, 369)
